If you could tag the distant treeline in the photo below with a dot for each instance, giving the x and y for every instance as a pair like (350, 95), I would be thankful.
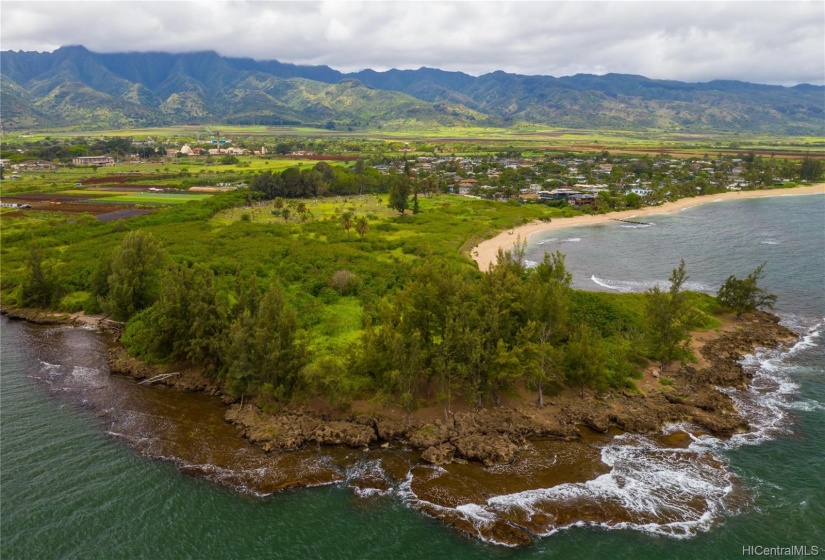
(325, 180)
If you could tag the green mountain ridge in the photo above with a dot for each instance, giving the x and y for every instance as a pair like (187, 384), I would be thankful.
(73, 86)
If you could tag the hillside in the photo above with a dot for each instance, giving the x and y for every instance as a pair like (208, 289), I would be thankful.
(75, 87)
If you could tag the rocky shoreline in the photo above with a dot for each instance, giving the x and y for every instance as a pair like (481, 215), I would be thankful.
(43, 317)
(444, 465)
(493, 436)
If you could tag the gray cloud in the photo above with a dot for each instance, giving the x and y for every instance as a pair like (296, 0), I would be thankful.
(765, 42)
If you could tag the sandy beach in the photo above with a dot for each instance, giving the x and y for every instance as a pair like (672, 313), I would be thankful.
(485, 253)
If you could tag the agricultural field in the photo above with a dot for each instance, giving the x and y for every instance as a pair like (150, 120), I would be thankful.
(129, 186)
(466, 139)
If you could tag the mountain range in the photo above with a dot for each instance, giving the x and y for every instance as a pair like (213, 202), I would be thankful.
(75, 87)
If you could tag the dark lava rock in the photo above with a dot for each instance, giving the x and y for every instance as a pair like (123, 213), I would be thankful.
(597, 421)
(350, 433)
(389, 428)
(489, 449)
(430, 435)
(442, 454)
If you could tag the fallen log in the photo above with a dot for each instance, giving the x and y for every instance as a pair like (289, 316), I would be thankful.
(159, 377)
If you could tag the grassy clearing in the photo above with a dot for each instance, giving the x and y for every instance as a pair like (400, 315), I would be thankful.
(246, 164)
(179, 174)
(303, 255)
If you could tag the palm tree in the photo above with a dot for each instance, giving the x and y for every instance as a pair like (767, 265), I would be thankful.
(346, 221)
(362, 226)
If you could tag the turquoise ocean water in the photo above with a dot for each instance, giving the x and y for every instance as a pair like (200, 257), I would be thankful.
(70, 489)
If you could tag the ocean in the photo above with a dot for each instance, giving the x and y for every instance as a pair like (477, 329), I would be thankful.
(94, 467)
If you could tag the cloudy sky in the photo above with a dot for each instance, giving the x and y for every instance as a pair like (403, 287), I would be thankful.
(765, 42)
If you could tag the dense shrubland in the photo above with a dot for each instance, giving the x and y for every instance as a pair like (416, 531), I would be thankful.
(290, 309)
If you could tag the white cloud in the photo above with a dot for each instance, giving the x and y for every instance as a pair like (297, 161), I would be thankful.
(767, 42)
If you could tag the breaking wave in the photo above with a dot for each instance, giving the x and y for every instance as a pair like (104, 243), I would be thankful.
(771, 393)
(673, 492)
(669, 492)
(367, 478)
(631, 286)
(637, 226)
(557, 240)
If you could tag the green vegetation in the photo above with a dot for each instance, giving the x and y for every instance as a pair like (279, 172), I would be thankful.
(669, 319)
(73, 87)
(811, 169)
(41, 286)
(267, 289)
(746, 295)
(128, 279)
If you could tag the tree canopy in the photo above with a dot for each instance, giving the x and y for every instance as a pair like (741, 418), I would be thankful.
(132, 275)
(669, 319)
(743, 295)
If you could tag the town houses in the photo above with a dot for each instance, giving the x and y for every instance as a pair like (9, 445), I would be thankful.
(584, 180)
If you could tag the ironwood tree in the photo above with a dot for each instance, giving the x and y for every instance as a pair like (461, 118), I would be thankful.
(669, 319)
(746, 295)
(133, 275)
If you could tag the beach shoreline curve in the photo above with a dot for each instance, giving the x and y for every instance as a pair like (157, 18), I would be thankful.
(486, 252)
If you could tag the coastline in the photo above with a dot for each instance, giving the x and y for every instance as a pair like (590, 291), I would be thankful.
(451, 467)
(495, 435)
(485, 253)
(489, 436)
(440, 464)
(473, 498)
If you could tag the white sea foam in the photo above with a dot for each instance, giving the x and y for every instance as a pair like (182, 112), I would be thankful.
(806, 405)
(654, 485)
(604, 284)
(52, 370)
(631, 286)
(769, 242)
(671, 492)
(85, 372)
(479, 515)
(637, 226)
(365, 471)
(557, 240)
(679, 427)
(771, 392)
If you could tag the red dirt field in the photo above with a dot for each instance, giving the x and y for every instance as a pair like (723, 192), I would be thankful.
(124, 178)
(64, 207)
(31, 198)
(121, 187)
